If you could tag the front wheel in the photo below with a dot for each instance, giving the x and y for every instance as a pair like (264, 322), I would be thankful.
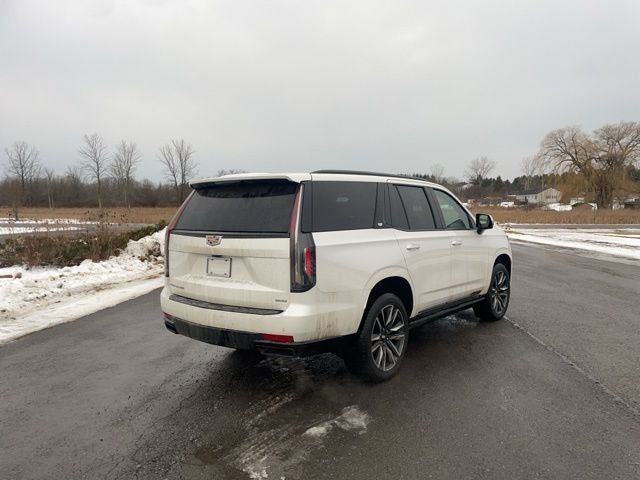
(495, 303)
(382, 341)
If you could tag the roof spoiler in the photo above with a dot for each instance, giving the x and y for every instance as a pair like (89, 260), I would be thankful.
(296, 178)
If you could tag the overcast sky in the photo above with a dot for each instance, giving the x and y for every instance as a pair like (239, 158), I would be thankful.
(299, 85)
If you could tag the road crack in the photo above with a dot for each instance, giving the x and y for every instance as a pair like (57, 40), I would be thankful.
(568, 361)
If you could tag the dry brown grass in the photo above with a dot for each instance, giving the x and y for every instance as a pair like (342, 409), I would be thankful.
(521, 215)
(154, 215)
(149, 215)
(64, 250)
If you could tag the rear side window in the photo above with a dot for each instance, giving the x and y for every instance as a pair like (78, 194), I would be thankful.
(417, 207)
(253, 206)
(398, 216)
(343, 205)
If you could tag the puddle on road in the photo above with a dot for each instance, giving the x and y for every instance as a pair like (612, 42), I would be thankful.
(444, 328)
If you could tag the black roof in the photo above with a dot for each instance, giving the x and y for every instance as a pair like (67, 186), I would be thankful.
(374, 174)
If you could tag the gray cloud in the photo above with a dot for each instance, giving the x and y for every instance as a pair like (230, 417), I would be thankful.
(390, 86)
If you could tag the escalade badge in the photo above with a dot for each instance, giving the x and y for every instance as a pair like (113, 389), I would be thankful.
(213, 240)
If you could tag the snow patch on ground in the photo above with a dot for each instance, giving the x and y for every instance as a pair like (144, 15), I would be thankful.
(352, 418)
(4, 230)
(37, 298)
(275, 449)
(74, 307)
(622, 242)
(47, 220)
(8, 226)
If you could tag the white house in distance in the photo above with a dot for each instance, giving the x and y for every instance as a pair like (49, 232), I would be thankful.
(549, 195)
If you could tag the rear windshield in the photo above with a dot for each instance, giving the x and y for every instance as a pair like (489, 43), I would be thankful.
(255, 206)
(343, 205)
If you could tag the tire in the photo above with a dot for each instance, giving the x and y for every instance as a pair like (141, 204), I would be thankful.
(496, 301)
(378, 351)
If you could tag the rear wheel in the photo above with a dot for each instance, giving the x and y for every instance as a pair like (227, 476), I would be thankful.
(382, 341)
(495, 303)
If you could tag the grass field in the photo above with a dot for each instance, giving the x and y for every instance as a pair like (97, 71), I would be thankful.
(520, 215)
(153, 215)
(150, 215)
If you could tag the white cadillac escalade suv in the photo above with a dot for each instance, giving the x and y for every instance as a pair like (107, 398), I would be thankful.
(339, 261)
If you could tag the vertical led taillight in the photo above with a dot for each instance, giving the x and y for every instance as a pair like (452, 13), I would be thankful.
(302, 250)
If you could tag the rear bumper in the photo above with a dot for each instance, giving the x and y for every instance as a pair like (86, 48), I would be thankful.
(308, 317)
(249, 341)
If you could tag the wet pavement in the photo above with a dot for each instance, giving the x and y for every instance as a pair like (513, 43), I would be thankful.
(550, 393)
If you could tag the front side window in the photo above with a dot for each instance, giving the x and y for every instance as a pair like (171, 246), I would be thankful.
(455, 217)
(343, 205)
(416, 206)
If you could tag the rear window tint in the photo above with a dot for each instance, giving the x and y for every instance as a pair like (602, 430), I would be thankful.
(248, 206)
(398, 216)
(343, 205)
(417, 207)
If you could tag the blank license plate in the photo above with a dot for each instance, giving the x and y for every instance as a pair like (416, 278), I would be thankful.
(219, 266)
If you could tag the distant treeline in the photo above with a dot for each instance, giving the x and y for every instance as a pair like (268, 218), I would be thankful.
(570, 183)
(71, 190)
(102, 177)
(602, 166)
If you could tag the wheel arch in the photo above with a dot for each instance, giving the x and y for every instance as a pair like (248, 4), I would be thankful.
(395, 283)
(504, 259)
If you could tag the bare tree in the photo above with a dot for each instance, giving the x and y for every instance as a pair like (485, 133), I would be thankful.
(601, 158)
(123, 165)
(94, 160)
(531, 166)
(73, 177)
(618, 148)
(49, 177)
(437, 172)
(479, 169)
(23, 164)
(179, 166)
(229, 171)
(11, 185)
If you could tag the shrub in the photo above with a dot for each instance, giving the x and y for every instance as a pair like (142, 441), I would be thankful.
(66, 249)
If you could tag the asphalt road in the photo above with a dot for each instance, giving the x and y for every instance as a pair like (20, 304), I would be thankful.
(553, 392)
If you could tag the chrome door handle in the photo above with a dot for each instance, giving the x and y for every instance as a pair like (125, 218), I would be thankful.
(412, 246)
(456, 243)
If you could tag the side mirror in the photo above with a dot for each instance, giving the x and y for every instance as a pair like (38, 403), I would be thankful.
(483, 222)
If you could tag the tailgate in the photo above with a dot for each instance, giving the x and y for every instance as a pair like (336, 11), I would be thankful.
(231, 244)
(246, 272)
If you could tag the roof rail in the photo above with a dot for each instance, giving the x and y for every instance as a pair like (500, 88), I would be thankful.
(375, 174)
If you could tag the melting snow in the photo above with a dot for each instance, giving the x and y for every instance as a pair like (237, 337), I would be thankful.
(41, 297)
(8, 226)
(280, 449)
(46, 220)
(619, 242)
(16, 230)
(352, 418)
